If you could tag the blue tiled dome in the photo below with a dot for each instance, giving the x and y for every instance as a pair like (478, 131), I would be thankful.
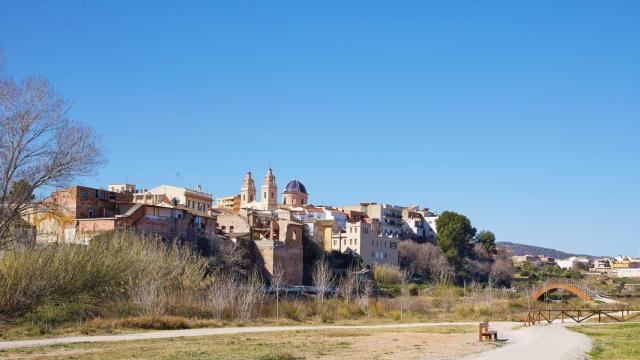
(295, 186)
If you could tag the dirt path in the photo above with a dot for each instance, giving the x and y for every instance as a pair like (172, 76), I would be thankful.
(551, 342)
(206, 332)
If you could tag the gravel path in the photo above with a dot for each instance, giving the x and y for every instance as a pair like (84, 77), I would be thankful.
(549, 342)
(164, 334)
(552, 342)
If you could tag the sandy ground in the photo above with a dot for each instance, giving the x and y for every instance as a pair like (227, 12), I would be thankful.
(398, 345)
(550, 342)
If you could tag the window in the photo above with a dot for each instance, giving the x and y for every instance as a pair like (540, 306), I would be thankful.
(230, 228)
(335, 242)
(355, 241)
(84, 195)
(224, 228)
(385, 255)
(392, 245)
(90, 213)
(373, 255)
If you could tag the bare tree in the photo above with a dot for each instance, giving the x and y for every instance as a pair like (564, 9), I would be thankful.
(250, 293)
(221, 294)
(322, 280)
(502, 269)
(424, 260)
(364, 296)
(404, 290)
(40, 147)
(348, 285)
(277, 284)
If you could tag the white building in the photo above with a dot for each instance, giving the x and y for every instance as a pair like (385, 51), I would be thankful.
(627, 272)
(311, 214)
(567, 263)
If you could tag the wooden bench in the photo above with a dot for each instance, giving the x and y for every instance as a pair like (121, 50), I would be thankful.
(485, 334)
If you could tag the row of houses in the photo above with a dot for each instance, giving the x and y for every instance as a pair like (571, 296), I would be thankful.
(621, 266)
(276, 224)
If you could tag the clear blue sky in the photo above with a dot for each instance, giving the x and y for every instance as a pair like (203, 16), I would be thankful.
(524, 117)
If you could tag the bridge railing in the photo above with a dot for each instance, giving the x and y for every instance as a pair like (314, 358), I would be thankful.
(550, 316)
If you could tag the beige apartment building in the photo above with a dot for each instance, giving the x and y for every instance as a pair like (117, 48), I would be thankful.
(228, 202)
(196, 201)
(359, 238)
(390, 216)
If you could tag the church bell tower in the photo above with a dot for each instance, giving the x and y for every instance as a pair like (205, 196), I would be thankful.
(269, 191)
(247, 191)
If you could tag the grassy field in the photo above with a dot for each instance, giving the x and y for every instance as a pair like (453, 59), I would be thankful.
(619, 341)
(429, 342)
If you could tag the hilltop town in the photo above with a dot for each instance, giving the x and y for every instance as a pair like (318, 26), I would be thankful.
(274, 221)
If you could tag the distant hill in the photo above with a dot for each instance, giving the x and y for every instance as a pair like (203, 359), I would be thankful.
(522, 249)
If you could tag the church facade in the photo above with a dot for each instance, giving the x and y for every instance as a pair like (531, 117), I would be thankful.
(294, 194)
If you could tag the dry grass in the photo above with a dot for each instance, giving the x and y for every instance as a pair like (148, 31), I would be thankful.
(124, 281)
(433, 343)
(117, 266)
(387, 274)
(194, 313)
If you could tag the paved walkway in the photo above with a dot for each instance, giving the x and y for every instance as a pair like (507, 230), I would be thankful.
(164, 334)
(549, 342)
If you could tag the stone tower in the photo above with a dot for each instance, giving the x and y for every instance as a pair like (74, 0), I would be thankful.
(269, 191)
(247, 191)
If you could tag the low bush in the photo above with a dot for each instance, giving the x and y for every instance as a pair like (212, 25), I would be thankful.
(387, 274)
(293, 310)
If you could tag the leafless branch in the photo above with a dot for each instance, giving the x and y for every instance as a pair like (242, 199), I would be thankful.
(40, 147)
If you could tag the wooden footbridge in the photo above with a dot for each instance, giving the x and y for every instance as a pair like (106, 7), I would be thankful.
(579, 288)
